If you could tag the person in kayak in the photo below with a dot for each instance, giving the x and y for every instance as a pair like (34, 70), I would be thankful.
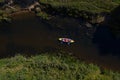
(66, 40)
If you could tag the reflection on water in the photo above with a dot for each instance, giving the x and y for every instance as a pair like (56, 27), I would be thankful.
(28, 34)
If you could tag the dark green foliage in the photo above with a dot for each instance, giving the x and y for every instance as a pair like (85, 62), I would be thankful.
(51, 67)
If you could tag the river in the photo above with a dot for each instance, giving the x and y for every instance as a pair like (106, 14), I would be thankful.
(27, 34)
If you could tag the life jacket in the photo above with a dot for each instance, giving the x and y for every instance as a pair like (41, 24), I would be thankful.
(66, 40)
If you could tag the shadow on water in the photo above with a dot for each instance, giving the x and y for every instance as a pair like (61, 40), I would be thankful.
(5, 28)
(106, 41)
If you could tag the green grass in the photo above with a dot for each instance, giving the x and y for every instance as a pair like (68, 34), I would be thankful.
(51, 67)
(94, 6)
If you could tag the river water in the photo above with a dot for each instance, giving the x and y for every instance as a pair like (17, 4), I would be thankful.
(27, 34)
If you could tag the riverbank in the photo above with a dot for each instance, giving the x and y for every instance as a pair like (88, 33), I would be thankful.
(52, 66)
(95, 12)
(96, 6)
(92, 11)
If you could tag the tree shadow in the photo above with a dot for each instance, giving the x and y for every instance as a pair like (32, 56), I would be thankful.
(106, 41)
(107, 35)
(114, 22)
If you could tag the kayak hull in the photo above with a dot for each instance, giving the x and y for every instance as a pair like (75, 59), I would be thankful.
(66, 40)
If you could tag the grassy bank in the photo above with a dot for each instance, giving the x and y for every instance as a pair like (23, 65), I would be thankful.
(94, 6)
(51, 67)
(93, 11)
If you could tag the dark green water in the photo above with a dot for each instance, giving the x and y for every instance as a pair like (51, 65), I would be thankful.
(28, 34)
